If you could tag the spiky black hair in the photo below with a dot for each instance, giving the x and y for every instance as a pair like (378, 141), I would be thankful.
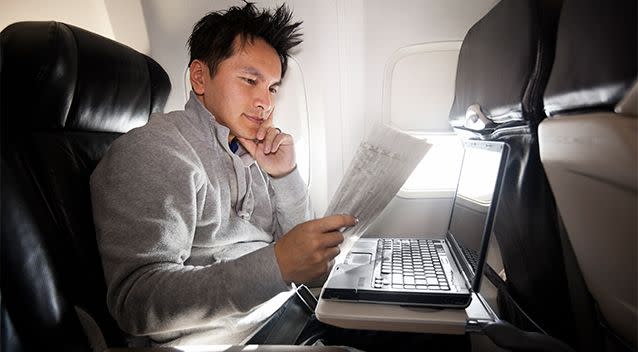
(212, 38)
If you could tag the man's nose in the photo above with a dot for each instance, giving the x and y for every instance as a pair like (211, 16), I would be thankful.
(264, 101)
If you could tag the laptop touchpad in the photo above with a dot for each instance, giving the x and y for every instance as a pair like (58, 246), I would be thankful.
(355, 258)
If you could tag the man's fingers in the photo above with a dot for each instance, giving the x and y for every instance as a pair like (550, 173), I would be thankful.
(262, 131)
(274, 139)
(281, 139)
(249, 145)
(332, 239)
(265, 125)
(270, 138)
(332, 223)
(332, 252)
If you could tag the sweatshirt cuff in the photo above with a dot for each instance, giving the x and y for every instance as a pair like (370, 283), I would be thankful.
(288, 188)
(260, 268)
(271, 259)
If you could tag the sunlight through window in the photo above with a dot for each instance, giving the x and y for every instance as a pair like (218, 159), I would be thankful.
(437, 174)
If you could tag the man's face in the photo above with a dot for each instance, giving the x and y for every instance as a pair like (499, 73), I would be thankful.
(241, 95)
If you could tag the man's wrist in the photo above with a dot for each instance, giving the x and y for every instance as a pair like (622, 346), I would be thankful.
(284, 174)
(277, 258)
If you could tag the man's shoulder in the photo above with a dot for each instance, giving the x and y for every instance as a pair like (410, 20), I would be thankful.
(160, 139)
(157, 144)
(161, 129)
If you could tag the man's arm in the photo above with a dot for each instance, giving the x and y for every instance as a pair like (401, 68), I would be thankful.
(290, 200)
(145, 203)
(305, 251)
(275, 153)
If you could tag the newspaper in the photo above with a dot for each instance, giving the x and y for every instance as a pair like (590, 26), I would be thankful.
(382, 163)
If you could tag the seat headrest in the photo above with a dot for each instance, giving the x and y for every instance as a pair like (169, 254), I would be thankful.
(596, 60)
(57, 76)
(504, 62)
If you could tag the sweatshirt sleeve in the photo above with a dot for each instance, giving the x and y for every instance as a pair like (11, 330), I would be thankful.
(144, 196)
(291, 200)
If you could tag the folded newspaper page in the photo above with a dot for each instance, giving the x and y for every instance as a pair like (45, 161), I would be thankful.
(382, 163)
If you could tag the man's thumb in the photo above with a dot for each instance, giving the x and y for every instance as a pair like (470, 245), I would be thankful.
(249, 145)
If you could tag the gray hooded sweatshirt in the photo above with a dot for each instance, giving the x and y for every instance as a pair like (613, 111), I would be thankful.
(185, 229)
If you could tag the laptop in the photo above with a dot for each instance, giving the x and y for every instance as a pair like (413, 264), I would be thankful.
(441, 271)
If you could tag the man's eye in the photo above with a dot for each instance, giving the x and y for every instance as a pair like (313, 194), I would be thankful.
(250, 81)
(273, 90)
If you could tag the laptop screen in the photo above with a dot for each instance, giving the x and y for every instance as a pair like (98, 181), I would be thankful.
(475, 193)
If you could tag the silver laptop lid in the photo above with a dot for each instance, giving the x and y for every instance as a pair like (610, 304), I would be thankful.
(475, 204)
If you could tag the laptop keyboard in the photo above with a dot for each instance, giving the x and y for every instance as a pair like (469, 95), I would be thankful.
(471, 256)
(412, 264)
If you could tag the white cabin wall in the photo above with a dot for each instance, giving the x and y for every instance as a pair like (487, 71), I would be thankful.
(120, 20)
(129, 25)
(88, 14)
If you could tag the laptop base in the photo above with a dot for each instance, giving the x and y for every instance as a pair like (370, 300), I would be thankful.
(447, 300)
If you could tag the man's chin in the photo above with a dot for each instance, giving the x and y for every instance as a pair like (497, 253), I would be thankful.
(248, 135)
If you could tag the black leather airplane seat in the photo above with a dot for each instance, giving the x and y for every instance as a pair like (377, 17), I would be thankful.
(66, 95)
(589, 148)
(503, 68)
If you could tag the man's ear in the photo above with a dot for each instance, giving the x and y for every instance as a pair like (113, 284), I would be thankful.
(198, 71)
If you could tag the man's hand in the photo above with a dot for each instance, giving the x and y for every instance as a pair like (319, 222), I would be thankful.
(273, 150)
(304, 253)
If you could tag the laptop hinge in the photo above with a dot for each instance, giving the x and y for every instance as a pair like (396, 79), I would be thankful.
(476, 325)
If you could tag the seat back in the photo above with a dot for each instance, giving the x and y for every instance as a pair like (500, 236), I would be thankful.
(590, 154)
(504, 64)
(66, 95)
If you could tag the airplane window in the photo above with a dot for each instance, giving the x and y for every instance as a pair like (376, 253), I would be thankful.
(419, 81)
(437, 174)
(418, 86)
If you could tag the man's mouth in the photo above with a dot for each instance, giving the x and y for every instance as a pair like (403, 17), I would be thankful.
(256, 119)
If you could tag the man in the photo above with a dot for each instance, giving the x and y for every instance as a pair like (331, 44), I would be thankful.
(200, 213)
